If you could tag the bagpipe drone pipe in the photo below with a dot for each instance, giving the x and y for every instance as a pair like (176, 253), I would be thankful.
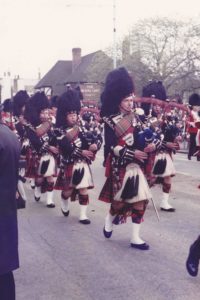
(89, 134)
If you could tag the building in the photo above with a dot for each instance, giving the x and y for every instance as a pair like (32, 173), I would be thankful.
(9, 86)
(88, 72)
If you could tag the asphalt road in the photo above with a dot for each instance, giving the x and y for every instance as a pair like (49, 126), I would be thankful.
(62, 259)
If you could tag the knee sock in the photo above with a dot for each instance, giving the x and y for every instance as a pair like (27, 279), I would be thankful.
(135, 236)
(109, 222)
(165, 197)
(64, 203)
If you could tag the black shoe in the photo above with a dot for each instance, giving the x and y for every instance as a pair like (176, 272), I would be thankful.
(107, 234)
(143, 246)
(192, 264)
(52, 205)
(65, 213)
(85, 222)
(189, 157)
(168, 209)
(37, 198)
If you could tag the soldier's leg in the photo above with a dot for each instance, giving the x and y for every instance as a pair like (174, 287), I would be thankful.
(65, 195)
(37, 190)
(137, 217)
(83, 201)
(50, 192)
(166, 187)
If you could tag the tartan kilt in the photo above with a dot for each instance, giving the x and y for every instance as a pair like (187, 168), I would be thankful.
(112, 186)
(122, 210)
(81, 176)
(64, 178)
(169, 169)
(32, 164)
(149, 167)
(51, 168)
(106, 194)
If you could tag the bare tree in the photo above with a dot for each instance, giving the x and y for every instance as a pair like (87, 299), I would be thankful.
(170, 51)
(140, 72)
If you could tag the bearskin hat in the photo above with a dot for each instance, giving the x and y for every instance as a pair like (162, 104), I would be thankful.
(118, 85)
(68, 102)
(54, 101)
(39, 101)
(194, 100)
(36, 104)
(8, 105)
(153, 89)
(19, 100)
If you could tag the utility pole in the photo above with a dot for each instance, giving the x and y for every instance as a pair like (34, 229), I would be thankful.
(70, 4)
(114, 36)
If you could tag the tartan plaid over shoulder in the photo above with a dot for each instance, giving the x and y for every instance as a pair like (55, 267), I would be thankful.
(43, 128)
(120, 124)
(72, 133)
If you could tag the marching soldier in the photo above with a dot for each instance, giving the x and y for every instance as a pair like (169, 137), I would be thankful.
(126, 188)
(78, 146)
(163, 168)
(192, 129)
(42, 165)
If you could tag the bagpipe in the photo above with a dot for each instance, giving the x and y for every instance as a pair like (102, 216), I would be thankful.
(163, 104)
(171, 116)
(89, 133)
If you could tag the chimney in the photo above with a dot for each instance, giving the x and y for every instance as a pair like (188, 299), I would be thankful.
(76, 58)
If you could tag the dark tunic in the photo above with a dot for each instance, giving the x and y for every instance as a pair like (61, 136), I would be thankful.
(9, 159)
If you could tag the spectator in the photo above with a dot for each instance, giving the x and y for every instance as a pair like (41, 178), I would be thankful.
(9, 260)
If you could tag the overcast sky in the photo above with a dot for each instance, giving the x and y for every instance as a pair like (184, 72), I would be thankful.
(34, 34)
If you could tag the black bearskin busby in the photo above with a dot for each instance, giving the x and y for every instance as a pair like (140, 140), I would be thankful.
(118, 85)
(8, 105)
(69, 102)
(36, 104)
(194, 100)
(54, 101)
(154, 89)
(19, 101)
